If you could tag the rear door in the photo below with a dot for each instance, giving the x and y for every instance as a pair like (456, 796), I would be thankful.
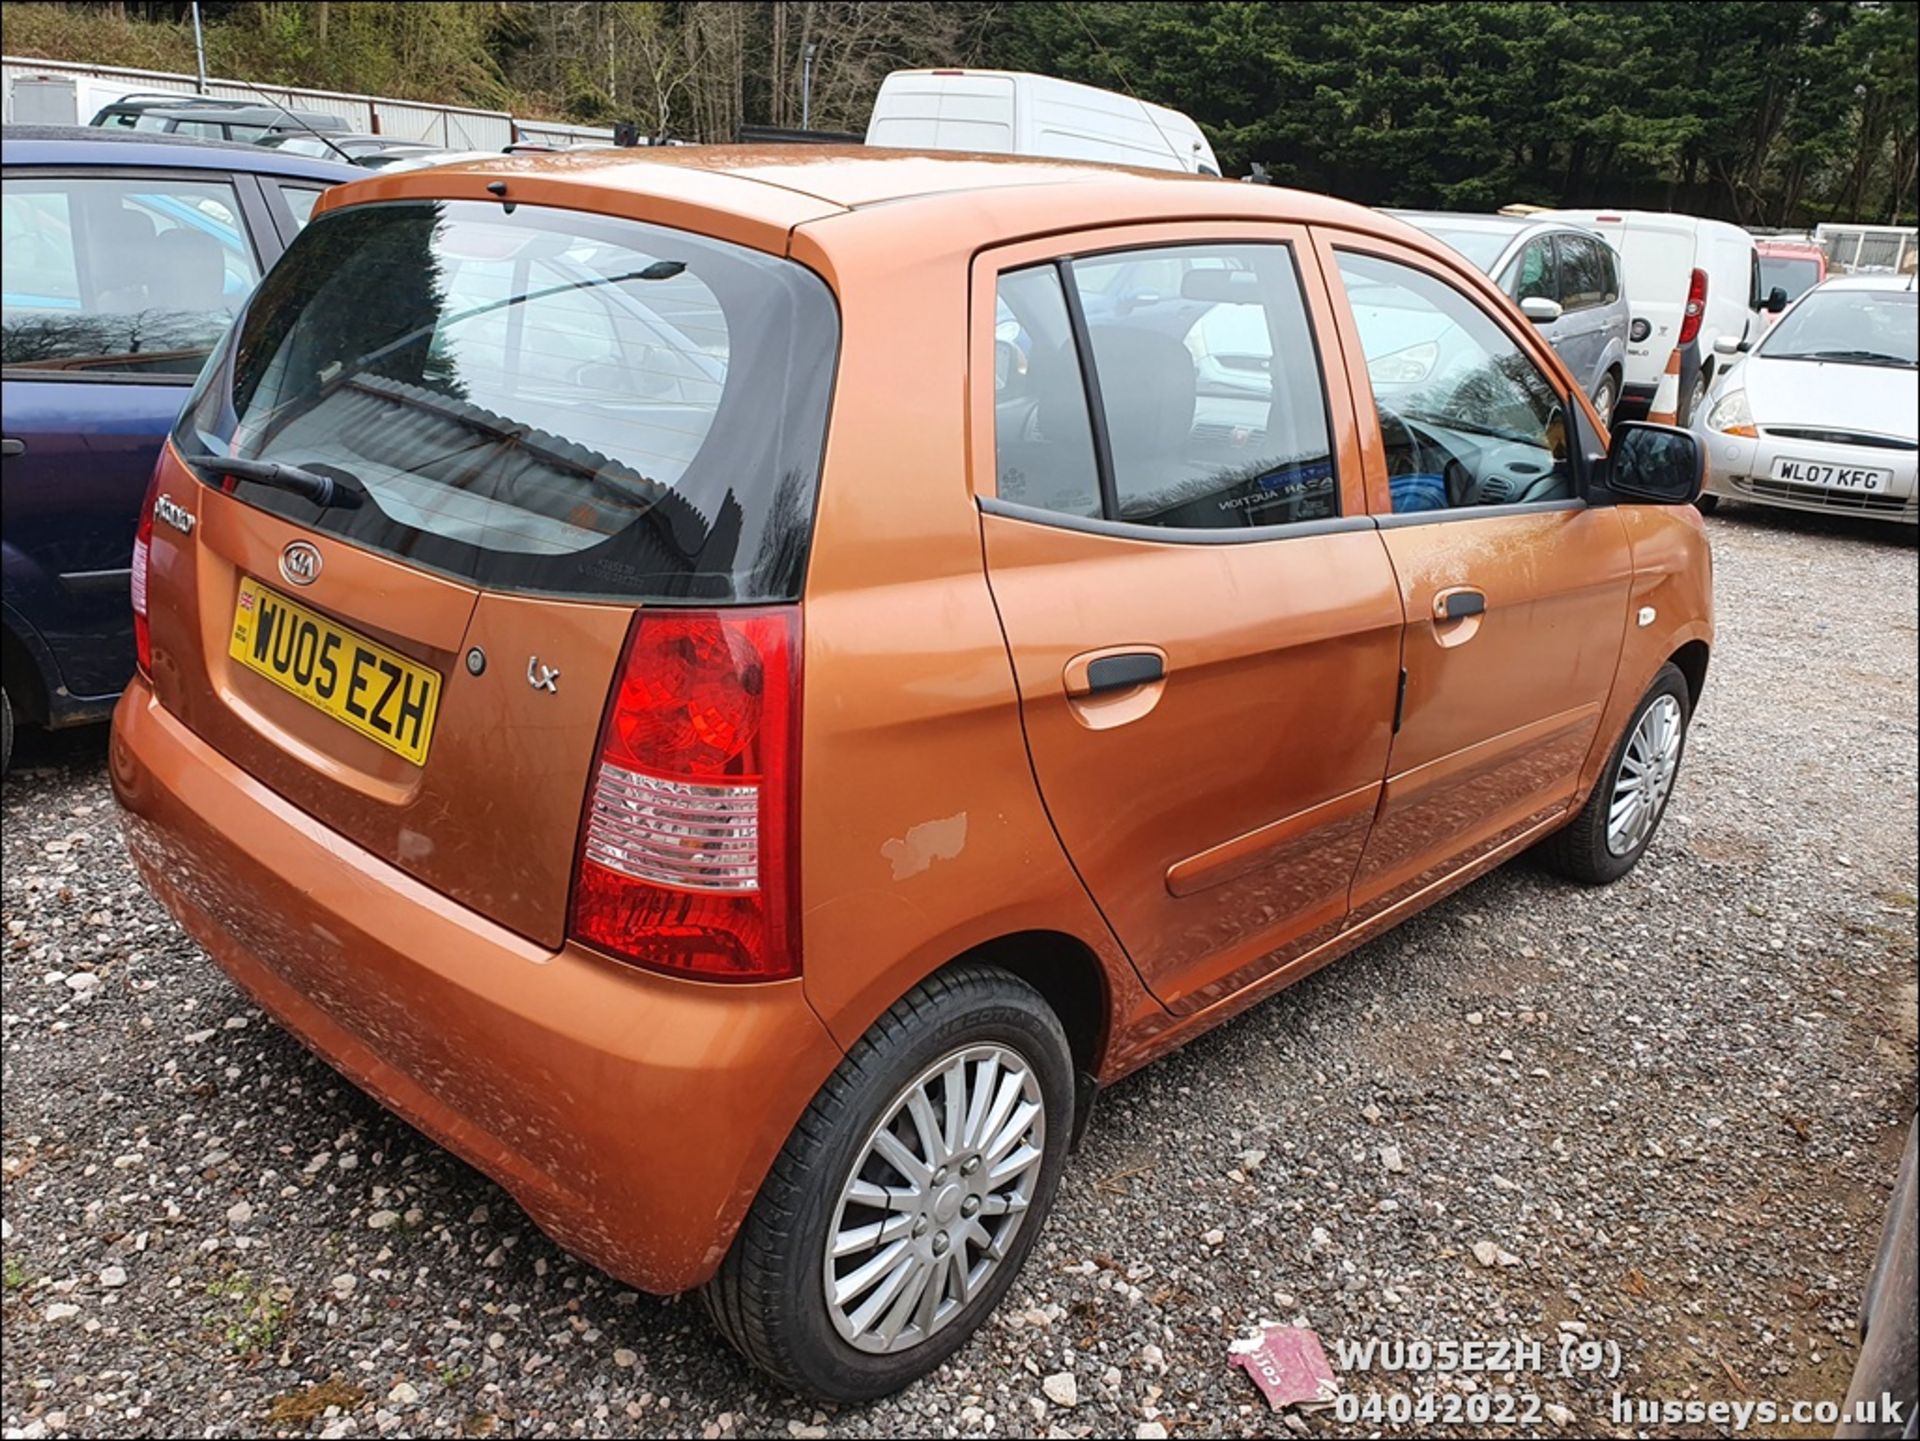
(117, 285)
(528, 450)
(1203, 622)
(1515, 592)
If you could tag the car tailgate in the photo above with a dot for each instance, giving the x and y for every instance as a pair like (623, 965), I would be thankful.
(490, 813)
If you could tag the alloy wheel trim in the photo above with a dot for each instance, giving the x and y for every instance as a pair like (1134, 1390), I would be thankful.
(1644, 780)
(935, 1198)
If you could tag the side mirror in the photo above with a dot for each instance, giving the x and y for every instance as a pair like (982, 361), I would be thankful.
(1658, 464)
(1540, 310)
(1728, 345)
(1776, 300)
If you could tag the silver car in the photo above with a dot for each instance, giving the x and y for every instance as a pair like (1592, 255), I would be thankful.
(1823, 413)
(1565, 279)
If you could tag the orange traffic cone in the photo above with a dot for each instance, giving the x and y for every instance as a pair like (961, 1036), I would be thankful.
(1665, 409)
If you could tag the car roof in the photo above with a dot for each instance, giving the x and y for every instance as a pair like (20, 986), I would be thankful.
(1469, 220)
(94, 145)
(171, 99)
(1885, 282)
(968, 200)
(234, 114)
(1515, 226)
(350, 139)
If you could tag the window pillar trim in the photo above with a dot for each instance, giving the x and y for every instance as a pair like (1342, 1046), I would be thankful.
(1090, 387)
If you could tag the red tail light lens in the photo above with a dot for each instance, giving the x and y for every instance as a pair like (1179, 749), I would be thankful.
(1696, 307)
(142, 550)
(687, 855)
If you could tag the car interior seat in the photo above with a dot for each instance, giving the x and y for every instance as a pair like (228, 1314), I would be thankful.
(186, 271)
(1148, 386)
(122, 242)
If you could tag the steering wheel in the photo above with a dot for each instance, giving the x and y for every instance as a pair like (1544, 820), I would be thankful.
(1414, 484)
(1401, 440)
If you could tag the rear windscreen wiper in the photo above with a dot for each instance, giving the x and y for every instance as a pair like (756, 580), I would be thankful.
(322, 490)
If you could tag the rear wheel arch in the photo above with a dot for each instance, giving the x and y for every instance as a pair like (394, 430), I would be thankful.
(1691, 659)
(26, 683)
(1068, 976)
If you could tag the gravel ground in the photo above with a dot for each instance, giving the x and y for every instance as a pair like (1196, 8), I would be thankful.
(1672, 1108)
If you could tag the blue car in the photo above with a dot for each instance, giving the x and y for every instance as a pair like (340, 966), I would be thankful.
(125, 256)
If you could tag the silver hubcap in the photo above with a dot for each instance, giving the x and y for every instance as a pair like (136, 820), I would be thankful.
(935, 1199)
(1645, 780)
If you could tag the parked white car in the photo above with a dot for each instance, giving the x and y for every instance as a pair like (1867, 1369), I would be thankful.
(1824, 413)
(1006, 112)
(1689, 283)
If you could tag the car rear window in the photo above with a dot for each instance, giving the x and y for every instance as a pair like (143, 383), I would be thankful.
(537, 400)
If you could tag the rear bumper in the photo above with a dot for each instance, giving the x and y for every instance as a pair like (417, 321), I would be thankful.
(632, 1115)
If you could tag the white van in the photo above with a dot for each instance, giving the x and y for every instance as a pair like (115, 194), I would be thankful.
(1004, 112)
(1689, 281)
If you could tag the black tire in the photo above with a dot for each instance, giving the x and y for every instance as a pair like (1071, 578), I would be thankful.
(1696, 397)
(1707, 504)
(1606, 399)
(768, 1298)
(6, 731)
(1579, 851)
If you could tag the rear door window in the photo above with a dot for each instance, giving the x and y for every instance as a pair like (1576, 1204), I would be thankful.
(537, 400)
(120, 275)
(1197, 389)
(1211, 391)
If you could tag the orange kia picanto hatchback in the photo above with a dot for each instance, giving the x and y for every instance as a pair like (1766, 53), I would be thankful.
(735, 688)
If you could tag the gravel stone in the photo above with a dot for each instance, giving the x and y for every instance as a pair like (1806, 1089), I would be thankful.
(1742, 1000)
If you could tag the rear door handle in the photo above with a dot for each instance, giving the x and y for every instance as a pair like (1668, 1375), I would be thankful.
(1106, 672)
(1459, 603)
(1124, 672)
(10, 446)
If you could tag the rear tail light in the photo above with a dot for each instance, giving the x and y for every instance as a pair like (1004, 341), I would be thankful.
(137, 581)
(687, 851)
(1696, 307)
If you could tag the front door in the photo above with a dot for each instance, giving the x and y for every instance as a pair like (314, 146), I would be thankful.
(1581, 333)
(1515, 590)
(1203, 622)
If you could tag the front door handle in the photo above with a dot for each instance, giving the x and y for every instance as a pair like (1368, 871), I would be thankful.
(10, 446)
(1124, 672)
(1457, 613)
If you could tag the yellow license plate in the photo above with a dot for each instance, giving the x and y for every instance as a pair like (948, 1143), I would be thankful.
(366, 687)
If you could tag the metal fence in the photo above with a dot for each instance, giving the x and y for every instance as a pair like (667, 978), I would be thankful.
(454, 126)
(1882, 249)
